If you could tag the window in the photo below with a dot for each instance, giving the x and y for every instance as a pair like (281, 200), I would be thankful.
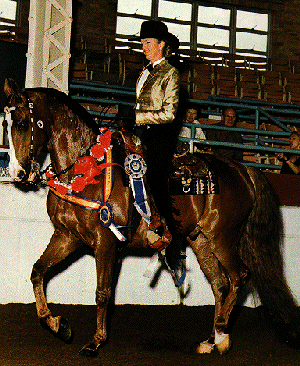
(9, 12)
(213, 28)
(131, 14)
(179, 11)
(251, 32)
(199, 25)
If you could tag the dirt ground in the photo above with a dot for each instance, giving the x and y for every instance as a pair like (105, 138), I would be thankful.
(139, 336)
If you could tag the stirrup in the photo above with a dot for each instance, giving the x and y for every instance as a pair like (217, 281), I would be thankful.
(155, 240)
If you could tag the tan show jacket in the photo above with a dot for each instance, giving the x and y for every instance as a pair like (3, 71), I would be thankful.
(158, 99)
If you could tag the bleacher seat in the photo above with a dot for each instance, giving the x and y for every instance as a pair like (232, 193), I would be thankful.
(201, 84)
(225, 81)
(78, 71)
(272, 86)
(130, 66)
(203, 73)
(211, 58)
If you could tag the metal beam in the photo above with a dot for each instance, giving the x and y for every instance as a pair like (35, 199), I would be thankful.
(49, 44)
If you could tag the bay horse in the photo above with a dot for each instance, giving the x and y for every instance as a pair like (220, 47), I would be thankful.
(235, 232)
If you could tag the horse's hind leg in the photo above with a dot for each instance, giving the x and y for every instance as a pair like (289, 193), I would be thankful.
(62, 243)
(218, 280)
(237, 274)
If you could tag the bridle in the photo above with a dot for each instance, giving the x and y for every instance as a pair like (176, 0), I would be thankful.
(34, 165)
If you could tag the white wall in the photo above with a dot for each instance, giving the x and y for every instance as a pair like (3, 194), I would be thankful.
(25, 230)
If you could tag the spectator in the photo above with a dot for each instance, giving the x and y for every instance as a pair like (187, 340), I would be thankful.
(229, 119)
(191, 117)
(291, 163)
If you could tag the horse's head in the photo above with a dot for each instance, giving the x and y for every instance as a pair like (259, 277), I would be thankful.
(25, 133)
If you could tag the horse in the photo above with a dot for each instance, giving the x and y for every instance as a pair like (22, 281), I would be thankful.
(234, 230)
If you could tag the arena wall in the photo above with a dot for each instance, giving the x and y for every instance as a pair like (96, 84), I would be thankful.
(25, 230)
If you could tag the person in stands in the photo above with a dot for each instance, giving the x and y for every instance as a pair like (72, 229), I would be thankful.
(229, 119)
(290, 162)
(191, 117)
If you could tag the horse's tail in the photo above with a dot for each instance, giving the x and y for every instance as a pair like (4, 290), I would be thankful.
(261, 252)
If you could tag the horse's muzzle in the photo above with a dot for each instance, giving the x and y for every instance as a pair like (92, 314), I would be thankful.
(28, 175)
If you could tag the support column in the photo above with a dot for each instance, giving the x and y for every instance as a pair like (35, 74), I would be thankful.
(49, 44)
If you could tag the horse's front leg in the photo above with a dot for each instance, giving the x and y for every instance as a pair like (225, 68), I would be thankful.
(62, 243)
(105, 259)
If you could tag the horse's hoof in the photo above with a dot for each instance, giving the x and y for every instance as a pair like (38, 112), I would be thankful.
(205, 347)
(224, 346)
(89, 350)
(64, 330)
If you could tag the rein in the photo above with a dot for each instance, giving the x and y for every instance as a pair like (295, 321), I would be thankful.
(35, 166)
(85, 169)
(57, 174)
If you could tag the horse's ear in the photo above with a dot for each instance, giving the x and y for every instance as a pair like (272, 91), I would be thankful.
(12, 92)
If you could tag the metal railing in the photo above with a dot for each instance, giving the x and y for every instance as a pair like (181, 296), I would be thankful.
(258, 139)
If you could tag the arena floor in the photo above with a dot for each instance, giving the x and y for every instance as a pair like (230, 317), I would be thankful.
(139, 336)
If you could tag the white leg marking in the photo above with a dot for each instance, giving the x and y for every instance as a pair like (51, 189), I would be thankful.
(205, 347)
(222, 342)
(219, 337)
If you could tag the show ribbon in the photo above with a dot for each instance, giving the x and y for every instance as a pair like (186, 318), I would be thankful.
(135, 166)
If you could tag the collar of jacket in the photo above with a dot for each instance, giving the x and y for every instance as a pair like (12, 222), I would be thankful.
(156, 68)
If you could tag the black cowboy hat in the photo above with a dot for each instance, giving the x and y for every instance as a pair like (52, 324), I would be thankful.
(154, 29)
(159, 30)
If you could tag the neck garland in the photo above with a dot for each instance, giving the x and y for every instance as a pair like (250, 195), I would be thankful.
(85, 167)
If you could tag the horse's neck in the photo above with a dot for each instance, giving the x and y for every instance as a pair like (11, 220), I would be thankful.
(67, 144)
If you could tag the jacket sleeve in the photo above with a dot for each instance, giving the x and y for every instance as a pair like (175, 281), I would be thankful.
(159, 102)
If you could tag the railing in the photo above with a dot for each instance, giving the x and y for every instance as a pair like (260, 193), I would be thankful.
(256, 140)
(248, 148)
(278, 115)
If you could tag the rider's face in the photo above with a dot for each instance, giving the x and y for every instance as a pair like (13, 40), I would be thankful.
(152, 49)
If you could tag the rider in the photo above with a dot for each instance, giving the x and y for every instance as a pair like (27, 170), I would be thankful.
(157, 98)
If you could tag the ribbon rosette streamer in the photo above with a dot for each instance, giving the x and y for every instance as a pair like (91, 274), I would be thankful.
(135, 167)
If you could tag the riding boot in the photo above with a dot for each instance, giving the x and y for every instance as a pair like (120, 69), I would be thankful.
(158, 235)
(160, 144)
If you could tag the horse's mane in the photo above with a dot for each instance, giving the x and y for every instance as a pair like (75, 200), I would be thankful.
(72, 105)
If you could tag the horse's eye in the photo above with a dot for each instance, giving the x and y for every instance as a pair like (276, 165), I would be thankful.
(20, 119)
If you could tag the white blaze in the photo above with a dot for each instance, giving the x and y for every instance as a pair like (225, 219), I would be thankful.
(14, 166)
